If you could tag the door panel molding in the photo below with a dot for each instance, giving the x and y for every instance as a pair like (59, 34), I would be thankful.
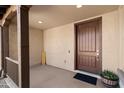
(88, 48)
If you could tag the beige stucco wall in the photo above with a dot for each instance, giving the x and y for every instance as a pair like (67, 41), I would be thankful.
(110, 41)
(121, 22)
(57, 42)
(35, 44)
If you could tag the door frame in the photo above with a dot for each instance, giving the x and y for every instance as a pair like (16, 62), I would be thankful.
(75, 39)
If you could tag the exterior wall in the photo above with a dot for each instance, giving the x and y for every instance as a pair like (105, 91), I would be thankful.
(35, 44)
(121, 22)
(58, 41)
(110, 41)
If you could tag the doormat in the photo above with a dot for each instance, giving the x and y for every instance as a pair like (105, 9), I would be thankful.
(86, 78)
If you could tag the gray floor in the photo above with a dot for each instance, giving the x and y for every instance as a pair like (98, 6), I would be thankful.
(52, 77)
(3, 83)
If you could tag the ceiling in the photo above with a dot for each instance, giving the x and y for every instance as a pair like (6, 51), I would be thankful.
(56, 15)
(3, 9)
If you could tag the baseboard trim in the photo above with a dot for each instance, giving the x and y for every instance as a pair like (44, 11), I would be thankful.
(78, 71)
(31, 66)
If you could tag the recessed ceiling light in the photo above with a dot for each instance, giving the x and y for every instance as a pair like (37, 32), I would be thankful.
(79, 6)
(40, 22)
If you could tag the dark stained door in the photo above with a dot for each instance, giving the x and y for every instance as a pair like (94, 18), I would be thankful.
(89, 46)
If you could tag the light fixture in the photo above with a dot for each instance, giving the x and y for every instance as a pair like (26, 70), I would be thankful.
(40, 22)
(79, 6)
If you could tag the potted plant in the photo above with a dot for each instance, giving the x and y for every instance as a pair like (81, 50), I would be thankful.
(109, 78)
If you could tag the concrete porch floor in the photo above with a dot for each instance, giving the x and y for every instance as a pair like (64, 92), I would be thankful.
(45, 76)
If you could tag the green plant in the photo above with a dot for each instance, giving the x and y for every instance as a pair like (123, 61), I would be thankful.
(109, 75)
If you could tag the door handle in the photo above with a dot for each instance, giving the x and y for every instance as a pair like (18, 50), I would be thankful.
(97, 51)
(97, 58)
(97, 54)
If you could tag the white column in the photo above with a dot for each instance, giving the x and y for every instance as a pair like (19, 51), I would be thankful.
(23, 45)
(19, 43)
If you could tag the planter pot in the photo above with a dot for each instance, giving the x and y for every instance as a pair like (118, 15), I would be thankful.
(109, 83)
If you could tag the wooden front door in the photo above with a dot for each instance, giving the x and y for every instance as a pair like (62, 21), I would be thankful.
(89, 46)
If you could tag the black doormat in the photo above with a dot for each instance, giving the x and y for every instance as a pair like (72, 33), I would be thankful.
(86, 78)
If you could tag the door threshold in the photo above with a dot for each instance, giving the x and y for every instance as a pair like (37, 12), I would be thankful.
(87, 73)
